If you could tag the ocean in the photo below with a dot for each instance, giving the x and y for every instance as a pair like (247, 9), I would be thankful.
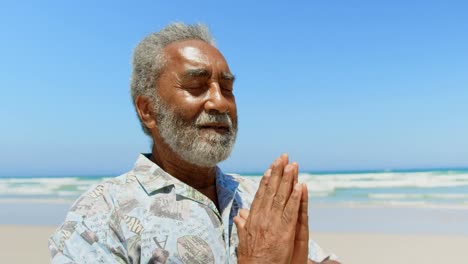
(412, 188)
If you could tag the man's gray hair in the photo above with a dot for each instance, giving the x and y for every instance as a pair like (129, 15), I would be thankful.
(148, 57)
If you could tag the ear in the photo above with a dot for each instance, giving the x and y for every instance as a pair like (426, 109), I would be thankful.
(145, 111)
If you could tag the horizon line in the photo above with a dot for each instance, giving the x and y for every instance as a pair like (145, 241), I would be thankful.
(340, 171)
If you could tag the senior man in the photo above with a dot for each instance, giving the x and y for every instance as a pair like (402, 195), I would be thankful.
(176, 205)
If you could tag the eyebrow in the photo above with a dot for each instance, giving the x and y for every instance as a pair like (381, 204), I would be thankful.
(196, 73)
(227, 76)
(205, 73)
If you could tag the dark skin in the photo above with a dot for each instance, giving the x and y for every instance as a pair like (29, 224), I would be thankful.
(197, 78)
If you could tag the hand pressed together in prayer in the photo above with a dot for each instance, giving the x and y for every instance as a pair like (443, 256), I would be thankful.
(276, 229)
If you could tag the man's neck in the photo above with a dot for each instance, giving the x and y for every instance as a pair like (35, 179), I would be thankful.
(201, 179)
(197, 177)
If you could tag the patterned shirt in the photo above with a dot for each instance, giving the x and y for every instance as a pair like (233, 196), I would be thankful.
(148, 216)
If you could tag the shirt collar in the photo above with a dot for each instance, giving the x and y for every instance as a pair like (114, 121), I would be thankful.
(150, 175)
(226, 187)
(152, 178)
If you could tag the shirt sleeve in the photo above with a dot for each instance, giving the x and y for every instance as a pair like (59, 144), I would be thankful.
(90, 233)
(316, 253)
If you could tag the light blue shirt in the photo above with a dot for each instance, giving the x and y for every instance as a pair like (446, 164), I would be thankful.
(148, 216)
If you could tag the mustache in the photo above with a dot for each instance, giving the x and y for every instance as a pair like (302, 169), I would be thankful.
(208, 118)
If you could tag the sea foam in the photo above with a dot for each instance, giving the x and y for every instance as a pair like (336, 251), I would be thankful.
(420, 188)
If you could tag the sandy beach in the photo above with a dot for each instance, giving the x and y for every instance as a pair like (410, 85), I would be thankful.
(28, 244)
(365, 248)
(356, 234)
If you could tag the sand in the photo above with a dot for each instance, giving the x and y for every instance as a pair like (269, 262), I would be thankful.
(365, 248)
(24, 244)
(361, 235)
(28, 244)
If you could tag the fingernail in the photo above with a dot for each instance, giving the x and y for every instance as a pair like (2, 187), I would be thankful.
(297, 187)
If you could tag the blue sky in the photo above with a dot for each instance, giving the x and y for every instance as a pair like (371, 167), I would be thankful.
(339, 85)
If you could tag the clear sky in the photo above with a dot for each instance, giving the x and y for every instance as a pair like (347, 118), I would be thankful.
(339, 85)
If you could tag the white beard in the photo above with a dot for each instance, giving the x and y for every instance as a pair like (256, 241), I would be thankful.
(186, 139)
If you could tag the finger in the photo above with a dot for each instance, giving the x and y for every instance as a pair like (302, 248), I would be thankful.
(291, 210)
(283, 156)
(244, 213)
(277, 168)
(284, 191)
(276, 174)
(301, 240)
(302, 228)
(296, 172)
(240, 223)
(259, 196)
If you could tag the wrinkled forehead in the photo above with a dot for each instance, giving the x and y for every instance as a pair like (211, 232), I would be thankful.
(194, 53)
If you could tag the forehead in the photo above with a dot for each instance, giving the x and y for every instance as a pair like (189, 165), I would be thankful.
(193, 54)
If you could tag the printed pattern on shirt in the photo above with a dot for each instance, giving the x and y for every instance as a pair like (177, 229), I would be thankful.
(148, 216)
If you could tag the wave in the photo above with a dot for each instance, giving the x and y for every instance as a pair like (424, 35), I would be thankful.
(331, 182)
(406, 196)
(38, 187)
(420, 189)
(395, 188)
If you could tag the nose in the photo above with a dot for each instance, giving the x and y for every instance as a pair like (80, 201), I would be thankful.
(216, 101)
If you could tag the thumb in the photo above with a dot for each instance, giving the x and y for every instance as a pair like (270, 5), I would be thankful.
(244, 213)
(240, 224)
(241, 219)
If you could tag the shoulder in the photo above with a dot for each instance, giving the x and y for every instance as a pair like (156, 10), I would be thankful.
(98, 203)
(92, 218)
(99, 197)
